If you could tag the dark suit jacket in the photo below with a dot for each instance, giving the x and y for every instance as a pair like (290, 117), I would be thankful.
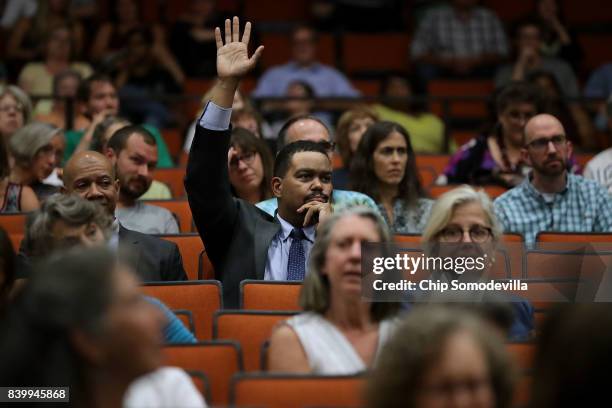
(236, 234)
(154, 259)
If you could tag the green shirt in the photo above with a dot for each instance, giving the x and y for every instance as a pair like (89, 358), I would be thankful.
(164, 161)
(426, 130)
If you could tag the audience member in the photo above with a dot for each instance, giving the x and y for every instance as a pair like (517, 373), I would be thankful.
(36, 78)
(529, 58)
(250, 166)
(81, 323)
(243, 242)
(557, 40)
(440, 357)
(574, 119)
(66, 221)
(310, 128)
(599, 86)
(142, 77)
(467, 217)
(15, 10)
(36, 149)
(14, 197)
(26, 41)
(496, 158)
(551, 198)
(572, 361)
(351, 127)
(192, 38)
(324, 80)
(458, 39)
(100, 137)
(112, 36)
(15, 110)
(65, 87)
(92, 176)
(133, 153)
(599, 168)
(99, 100)
(338, 333)
(384, 168)
(7, 268)
(402, 106)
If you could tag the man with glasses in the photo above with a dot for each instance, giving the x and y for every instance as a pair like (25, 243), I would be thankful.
(551, 198)
(310, 128)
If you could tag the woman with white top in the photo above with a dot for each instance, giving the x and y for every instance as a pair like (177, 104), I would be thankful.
(338, 333)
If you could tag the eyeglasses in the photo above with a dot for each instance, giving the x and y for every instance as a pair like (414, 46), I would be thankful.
(8, 108)
(329, 146)
(246, 158)
(540, 145)
(478, 234)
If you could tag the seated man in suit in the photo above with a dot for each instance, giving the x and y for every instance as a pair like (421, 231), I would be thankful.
(242, 241)
(91, 175)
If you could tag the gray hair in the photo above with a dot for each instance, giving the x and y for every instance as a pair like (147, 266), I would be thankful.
(445, 206)
(315, 294)
(69, 208)
(21, 97)
(418, 344)
(27, 141)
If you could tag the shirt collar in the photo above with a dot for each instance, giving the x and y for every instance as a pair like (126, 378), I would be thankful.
(530, 188)
(286, 229)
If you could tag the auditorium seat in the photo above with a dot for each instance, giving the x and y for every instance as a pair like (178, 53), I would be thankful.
(375, 53)
(202, 298)
(219, 360)
(461, 137)
(545, 236)
(269, 295)
(16, 239)
(296, 391)
(180, 209)
(190, 246)
(173, 177)
(428, 176)
(436, 161)
(475, 93)
(13, 223)
(174, 141)
(523, 354)
(250, 328)
(201, 382)
(205, 267)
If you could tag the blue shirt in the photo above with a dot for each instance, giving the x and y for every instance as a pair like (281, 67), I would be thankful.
(174, 330)
(583, 206)
(278, 252)
(324, 80)
(341, 199)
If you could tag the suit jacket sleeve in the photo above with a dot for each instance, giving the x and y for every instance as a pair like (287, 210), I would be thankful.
(214, 209)
(174, 270)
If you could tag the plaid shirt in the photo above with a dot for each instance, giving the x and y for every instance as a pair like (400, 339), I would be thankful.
(444, 34)
(584, 206)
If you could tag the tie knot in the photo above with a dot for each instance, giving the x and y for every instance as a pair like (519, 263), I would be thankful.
(297, 234)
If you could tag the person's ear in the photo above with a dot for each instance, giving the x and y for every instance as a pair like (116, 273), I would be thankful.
(525, 156)
(110, 153)
(117, 185)
(570, 149)
(277, 186)
(86, 346)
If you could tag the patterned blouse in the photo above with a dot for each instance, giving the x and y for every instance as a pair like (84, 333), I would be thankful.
(408, 220)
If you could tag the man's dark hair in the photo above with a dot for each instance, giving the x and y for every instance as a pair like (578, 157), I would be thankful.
(519, 92)
(119, 139)
(67, 73)
(525, 22)
(283, 158)
(85, 88)
(282, 134)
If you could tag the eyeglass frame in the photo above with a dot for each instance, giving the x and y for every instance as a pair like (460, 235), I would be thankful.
(543, 142)
(488, 237)
(247, 158)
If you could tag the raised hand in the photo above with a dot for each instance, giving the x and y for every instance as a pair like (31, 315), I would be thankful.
(233, 60)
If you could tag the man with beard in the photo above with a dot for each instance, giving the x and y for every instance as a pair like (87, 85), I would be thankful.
(551, 198)
(133, 152)
(91, 176)
(242, 241)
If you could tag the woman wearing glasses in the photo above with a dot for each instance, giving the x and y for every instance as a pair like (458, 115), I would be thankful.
(465, 216)
(249, 163)
(495, 158)
(384, 168)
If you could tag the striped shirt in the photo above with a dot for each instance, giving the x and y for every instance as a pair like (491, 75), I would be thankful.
(442, 33)
(583, 206)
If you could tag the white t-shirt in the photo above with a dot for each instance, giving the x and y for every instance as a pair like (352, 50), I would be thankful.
(167, 387)
(600, 169)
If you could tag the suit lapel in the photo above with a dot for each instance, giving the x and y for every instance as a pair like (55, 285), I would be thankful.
(264, 232)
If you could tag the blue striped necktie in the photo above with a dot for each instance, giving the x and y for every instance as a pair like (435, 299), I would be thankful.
(296, 265)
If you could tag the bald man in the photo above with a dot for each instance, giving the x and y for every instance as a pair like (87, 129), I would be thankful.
(551, 198)
(91, 175)
(310, 128)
